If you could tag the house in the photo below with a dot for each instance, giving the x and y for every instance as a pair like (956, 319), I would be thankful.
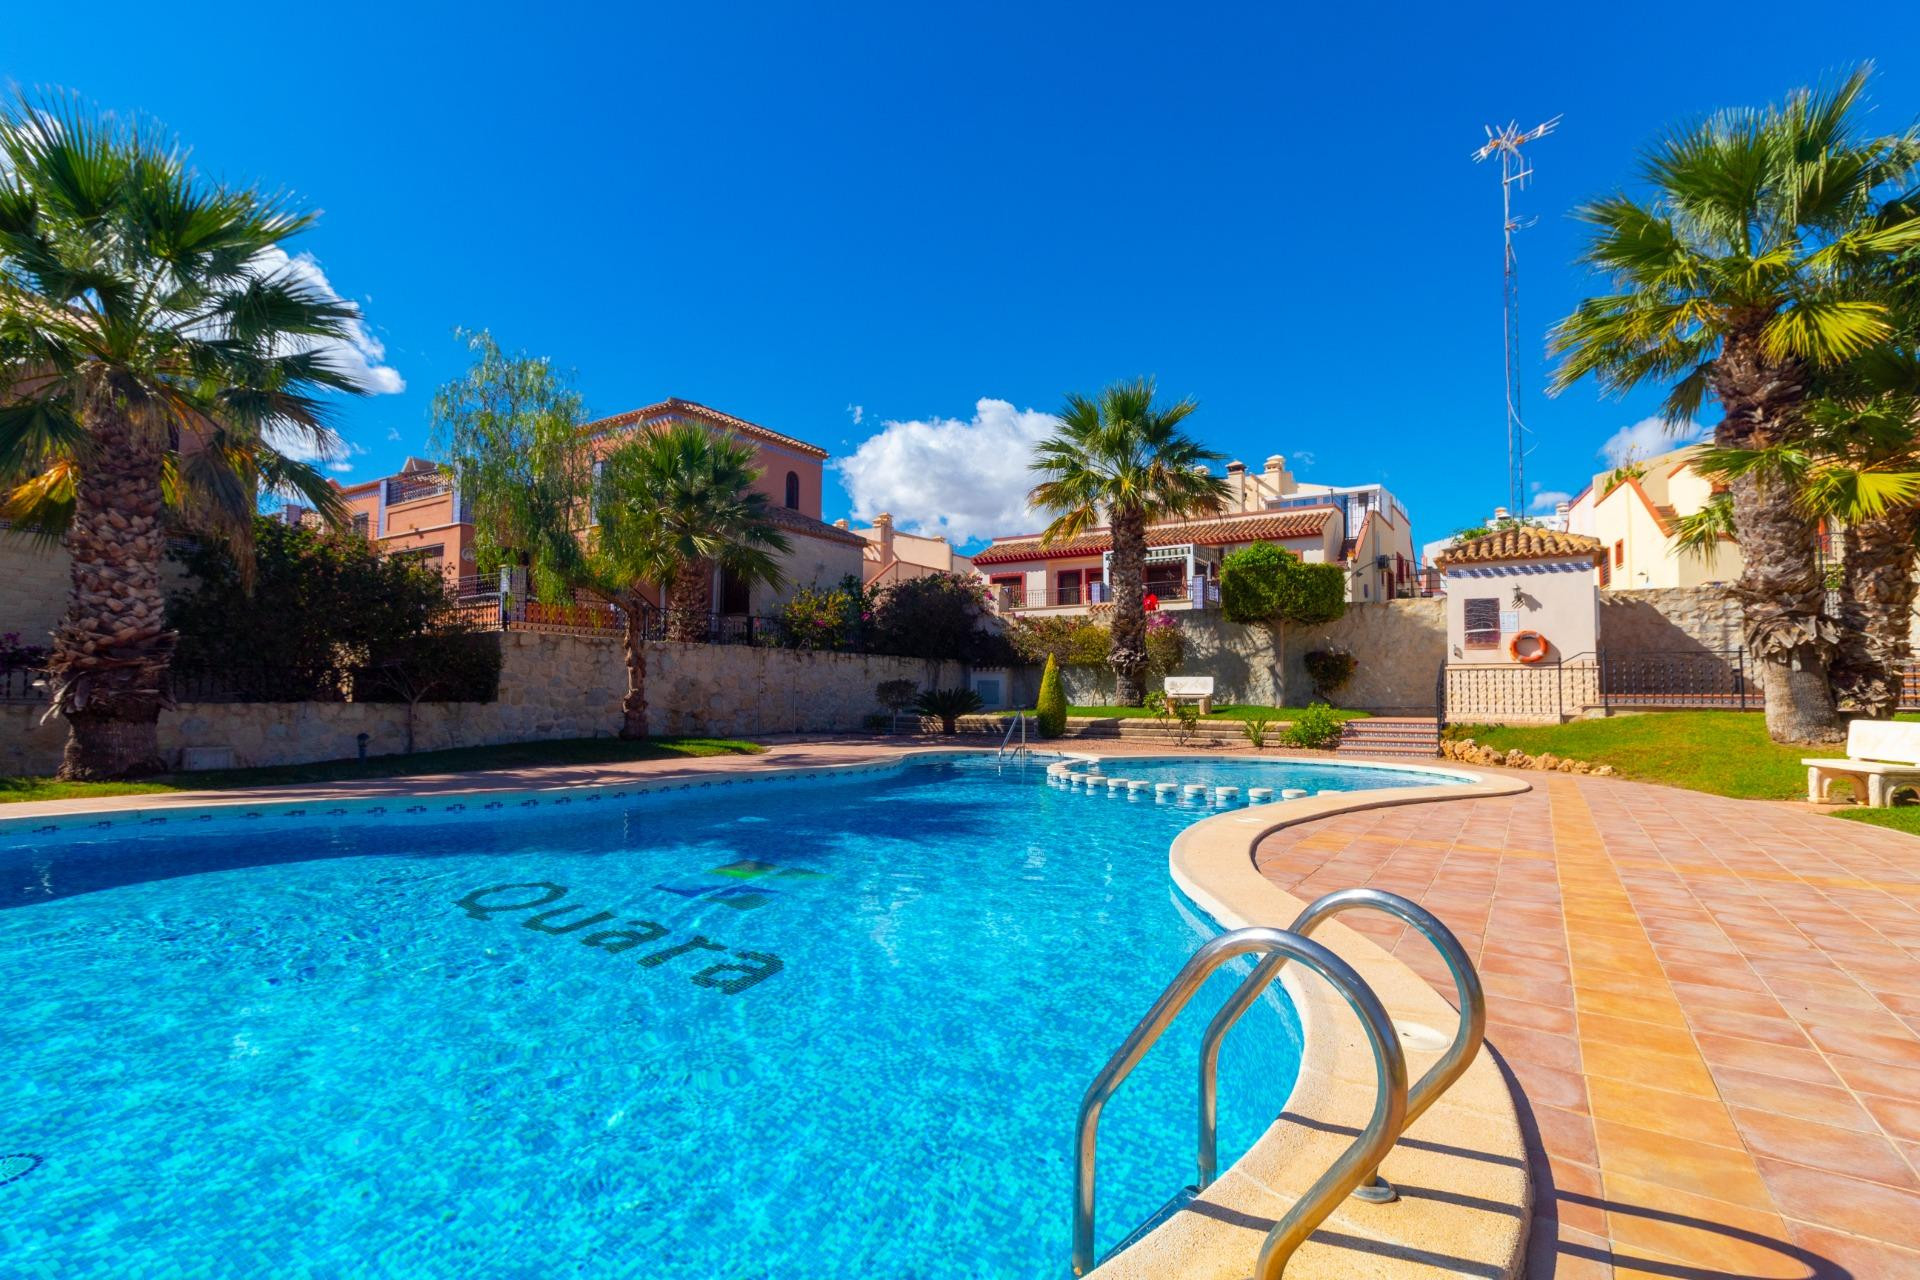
(891, 556)
(1635, 512)
(1363, 528)
(417, 512)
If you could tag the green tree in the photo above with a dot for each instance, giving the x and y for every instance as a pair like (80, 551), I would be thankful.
(1742, 275)
(162, 362)
(1050, 708)
(508, 432)
(674, 506)
(1267, 585)
(1121, 459)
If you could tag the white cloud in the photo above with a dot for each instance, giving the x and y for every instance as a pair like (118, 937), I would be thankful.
(1547, 499)
(1300, 458)
(856, 412)
(341, 467)
(1647, 438)
(965, 478)
(360, 355)
(393, 434)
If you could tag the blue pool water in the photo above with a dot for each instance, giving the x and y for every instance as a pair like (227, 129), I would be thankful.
(809, 1029)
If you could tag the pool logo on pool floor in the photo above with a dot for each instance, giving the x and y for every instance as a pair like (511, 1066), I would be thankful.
(729, 977)
(742, 897)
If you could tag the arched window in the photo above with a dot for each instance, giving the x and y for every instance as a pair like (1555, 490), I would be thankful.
(793, 490)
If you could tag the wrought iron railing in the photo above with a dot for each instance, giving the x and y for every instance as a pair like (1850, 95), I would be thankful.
(23, 684)
(1710, 678)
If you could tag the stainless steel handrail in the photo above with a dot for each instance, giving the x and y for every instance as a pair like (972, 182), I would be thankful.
(1346, 1173)
(1466, 983)
(1020, 723)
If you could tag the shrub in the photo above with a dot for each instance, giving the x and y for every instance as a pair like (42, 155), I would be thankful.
(1072, 642)
(1330, 670)
(938, 616)
(1265, 584)
(1316, 728)
(1050, 708)
(1256, 727)
(1186, 717)
(821, 619)
(1166, 644)
(948, 705)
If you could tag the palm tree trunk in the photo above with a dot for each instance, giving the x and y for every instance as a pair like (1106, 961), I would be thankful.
(1127, 654)
(689, 607)
(111, 650)
(1876, 612)
(1780, 588)
(633, 707)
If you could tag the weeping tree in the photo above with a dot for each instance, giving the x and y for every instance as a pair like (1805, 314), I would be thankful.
(1743, 272)
(163, 362)
(1120, 459)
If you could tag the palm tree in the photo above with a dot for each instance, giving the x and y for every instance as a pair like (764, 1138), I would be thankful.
(1122, 459)
(1742, 277)
(160, 359)
(672, 507)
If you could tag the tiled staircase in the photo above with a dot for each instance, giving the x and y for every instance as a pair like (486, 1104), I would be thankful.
(1390, 736)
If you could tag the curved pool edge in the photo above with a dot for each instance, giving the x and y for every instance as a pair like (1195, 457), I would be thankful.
(1464, 1162)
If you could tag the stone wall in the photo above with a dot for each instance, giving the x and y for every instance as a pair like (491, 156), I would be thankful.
(1677, 619)
(551, 686)
(1398, 646)
(1242, 661)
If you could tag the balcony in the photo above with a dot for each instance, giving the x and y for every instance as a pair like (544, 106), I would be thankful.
(1199, 593)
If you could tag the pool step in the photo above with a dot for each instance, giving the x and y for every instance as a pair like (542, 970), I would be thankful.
(1390, 736)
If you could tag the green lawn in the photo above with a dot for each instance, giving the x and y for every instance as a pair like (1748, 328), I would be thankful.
(1726, 753)
(1905, 818)
(517, 755)
(1222, 711)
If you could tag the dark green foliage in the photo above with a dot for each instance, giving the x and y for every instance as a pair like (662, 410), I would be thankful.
(1070, 641)
(1050, 708)
(1264, 584)
(325, 613)
(938, 616)
(1330, 670)
(836, 618)
(948, 705)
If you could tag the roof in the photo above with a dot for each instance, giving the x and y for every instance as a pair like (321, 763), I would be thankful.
(674, 407)
(1214, 531)
(1519, 542)
(801, 523)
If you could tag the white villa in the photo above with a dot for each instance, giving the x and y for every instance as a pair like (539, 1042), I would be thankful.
(1635, 514)
(1362, 527)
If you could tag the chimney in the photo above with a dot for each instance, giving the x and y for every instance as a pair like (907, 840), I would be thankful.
(840, 523)
(1275, 483)
(1237, 484)
(883, 525)
(1500, 513)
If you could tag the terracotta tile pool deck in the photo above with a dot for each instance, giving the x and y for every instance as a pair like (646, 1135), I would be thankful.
(1711, 1006)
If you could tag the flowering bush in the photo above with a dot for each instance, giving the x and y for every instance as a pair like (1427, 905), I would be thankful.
(821, 619)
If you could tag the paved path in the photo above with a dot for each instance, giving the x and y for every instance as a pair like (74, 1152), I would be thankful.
(1712, 1007)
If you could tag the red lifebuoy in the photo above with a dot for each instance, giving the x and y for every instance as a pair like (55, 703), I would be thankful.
(1539, 652)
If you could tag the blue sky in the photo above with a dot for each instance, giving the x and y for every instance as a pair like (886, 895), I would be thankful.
(789, 213)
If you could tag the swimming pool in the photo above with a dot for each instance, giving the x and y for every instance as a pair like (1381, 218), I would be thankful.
(821, 1027)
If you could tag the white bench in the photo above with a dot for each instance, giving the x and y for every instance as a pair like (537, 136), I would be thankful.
(1198, 688)
(1886, 753)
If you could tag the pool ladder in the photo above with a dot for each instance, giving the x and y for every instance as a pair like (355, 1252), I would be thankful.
(1356, 1172)
(1006, 743)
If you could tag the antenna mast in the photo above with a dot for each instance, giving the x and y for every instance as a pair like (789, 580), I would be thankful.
(1514, 172)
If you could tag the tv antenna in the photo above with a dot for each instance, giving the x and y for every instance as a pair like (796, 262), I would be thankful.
(1514, 172)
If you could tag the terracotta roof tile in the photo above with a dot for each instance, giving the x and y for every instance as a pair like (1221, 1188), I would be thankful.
(801, 523)
(1212, 532)
(673, 407)
(1519, 542)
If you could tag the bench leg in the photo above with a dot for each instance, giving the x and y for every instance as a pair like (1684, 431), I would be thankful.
(1877, 790)
(1816, 785)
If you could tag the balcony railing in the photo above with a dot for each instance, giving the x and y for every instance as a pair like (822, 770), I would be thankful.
(1201, 593)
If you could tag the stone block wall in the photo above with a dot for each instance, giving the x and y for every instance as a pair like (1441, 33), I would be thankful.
(1398, 646)
(551, 686)
(1243, 661)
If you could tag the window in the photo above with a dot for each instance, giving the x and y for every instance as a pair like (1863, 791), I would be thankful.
(1067, 587)
(1015, 585)
(1483, 622)
(1619, 553)
(1606, 573)
(793, 491)
(360, 524)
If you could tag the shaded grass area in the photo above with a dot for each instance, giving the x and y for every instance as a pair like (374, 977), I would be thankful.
(1724, 753)
(1221, 711)
(516, 755)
